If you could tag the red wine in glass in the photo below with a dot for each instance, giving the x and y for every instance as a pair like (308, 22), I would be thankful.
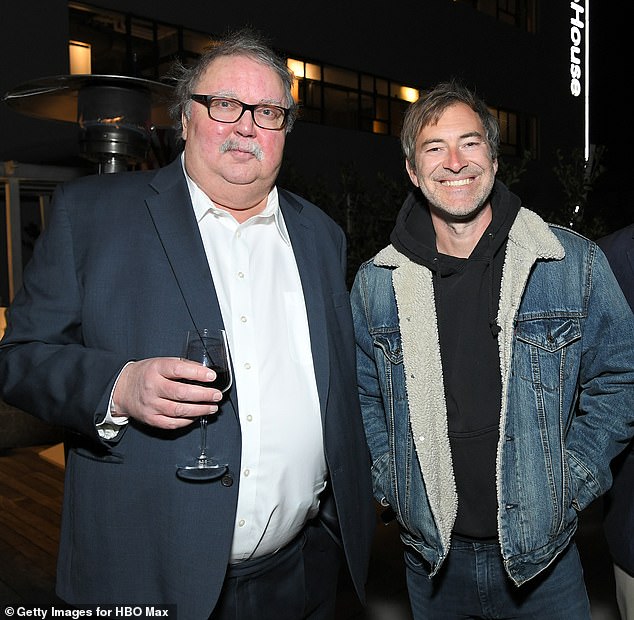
(208, 347)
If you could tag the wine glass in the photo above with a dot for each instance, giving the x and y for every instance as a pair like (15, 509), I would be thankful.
(209, 347)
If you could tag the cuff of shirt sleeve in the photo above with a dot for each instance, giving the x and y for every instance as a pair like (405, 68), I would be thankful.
(111, 425)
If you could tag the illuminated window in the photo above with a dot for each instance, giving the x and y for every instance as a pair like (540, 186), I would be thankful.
(124, 44)
(79, 57)
(344, 98)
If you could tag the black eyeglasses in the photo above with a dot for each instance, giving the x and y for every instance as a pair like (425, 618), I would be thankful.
(226, 110)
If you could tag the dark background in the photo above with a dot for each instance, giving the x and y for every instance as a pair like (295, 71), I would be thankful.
(611, 108)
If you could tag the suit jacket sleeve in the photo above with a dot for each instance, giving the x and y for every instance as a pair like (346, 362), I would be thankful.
(46, 366)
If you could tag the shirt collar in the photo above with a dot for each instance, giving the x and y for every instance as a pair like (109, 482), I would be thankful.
(203, 205)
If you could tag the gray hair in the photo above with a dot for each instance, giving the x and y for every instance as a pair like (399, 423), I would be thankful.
(244, 42)
(428, 109)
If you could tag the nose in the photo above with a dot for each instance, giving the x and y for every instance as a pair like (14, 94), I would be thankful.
(455, 160)
(245, 125)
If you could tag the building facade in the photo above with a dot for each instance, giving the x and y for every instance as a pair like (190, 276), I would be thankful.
(358, 66)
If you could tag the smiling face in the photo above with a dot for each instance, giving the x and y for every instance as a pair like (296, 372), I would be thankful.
(454, 168)
(235, 164)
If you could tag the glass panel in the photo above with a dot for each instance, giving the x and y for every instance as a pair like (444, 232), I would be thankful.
(313, 72)
(381, 86)
(297, 67)
(310, 115)
(195, 42)
(341, 77)
(312, 94)
(143, 59)
(104, 31)
(79, 57)
(403, 92)
(379, 127)
(398, 111)
(367, 83)
(341, 108)
(367, 106)
(382, 108)
(167, 39)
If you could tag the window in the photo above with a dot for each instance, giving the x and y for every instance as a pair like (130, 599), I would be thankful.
(519, 13)
(517, 133)
(122, 44)
(344, 98)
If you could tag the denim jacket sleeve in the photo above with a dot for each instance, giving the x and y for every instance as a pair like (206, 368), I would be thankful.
(605, 417)
(370, 394)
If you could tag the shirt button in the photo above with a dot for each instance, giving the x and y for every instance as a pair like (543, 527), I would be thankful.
(249, 418)
(241, 523)
(243, 319)
(246, 472)
(240, 274)
(247, 366)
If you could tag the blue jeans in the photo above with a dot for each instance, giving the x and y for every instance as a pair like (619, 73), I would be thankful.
(472, 583)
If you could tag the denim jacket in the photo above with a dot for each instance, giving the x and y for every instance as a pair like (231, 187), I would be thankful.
(566, 350)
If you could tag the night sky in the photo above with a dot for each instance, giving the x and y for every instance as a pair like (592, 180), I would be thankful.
(612, 108)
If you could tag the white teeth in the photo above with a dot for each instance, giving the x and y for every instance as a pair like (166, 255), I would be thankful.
(457, 183)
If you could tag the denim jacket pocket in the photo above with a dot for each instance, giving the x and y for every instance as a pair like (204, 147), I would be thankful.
(550, 334)
(389, 359)
(390, 343)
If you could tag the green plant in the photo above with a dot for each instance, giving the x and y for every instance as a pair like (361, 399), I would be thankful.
(577, 178)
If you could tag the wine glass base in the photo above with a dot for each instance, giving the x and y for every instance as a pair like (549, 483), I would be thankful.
(201, 470)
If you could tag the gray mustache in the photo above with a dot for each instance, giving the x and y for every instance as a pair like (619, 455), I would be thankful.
(250, 147)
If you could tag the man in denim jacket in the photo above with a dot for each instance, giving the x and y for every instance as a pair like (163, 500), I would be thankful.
(496, 375)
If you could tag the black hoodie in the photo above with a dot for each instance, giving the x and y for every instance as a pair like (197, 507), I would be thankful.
(467, 295)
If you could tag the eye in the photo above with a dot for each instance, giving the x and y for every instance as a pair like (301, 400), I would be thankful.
(270, 112)
(223, 104)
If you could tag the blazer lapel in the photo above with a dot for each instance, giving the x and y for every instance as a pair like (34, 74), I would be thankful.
(302, 234)
(173, 216)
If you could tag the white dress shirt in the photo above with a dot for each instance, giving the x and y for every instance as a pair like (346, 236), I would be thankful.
(262, 303)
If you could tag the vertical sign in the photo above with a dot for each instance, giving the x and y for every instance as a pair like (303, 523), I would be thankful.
(577, 31)
(580, 61)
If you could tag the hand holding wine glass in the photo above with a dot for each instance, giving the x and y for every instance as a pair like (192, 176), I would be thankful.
(208, 347)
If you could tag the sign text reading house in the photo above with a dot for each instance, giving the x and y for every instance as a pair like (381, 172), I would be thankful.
(577, 25)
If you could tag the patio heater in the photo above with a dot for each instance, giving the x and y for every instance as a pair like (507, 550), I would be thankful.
(116, 114)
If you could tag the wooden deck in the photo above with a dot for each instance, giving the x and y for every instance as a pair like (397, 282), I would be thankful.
(31, 489)
(30, 507)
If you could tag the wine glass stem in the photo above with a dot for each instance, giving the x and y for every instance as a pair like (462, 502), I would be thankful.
(203, 438)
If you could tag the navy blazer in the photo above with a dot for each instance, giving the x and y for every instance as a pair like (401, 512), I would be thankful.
(619, 501)
(119, 274)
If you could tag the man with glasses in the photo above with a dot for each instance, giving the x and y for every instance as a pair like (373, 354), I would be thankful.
(129, 263)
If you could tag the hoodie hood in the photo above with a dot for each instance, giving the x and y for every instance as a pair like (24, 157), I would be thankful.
(414, 234)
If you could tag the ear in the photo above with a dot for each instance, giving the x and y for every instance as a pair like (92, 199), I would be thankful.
(495, 165)
(412, 173)
(184, 125)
